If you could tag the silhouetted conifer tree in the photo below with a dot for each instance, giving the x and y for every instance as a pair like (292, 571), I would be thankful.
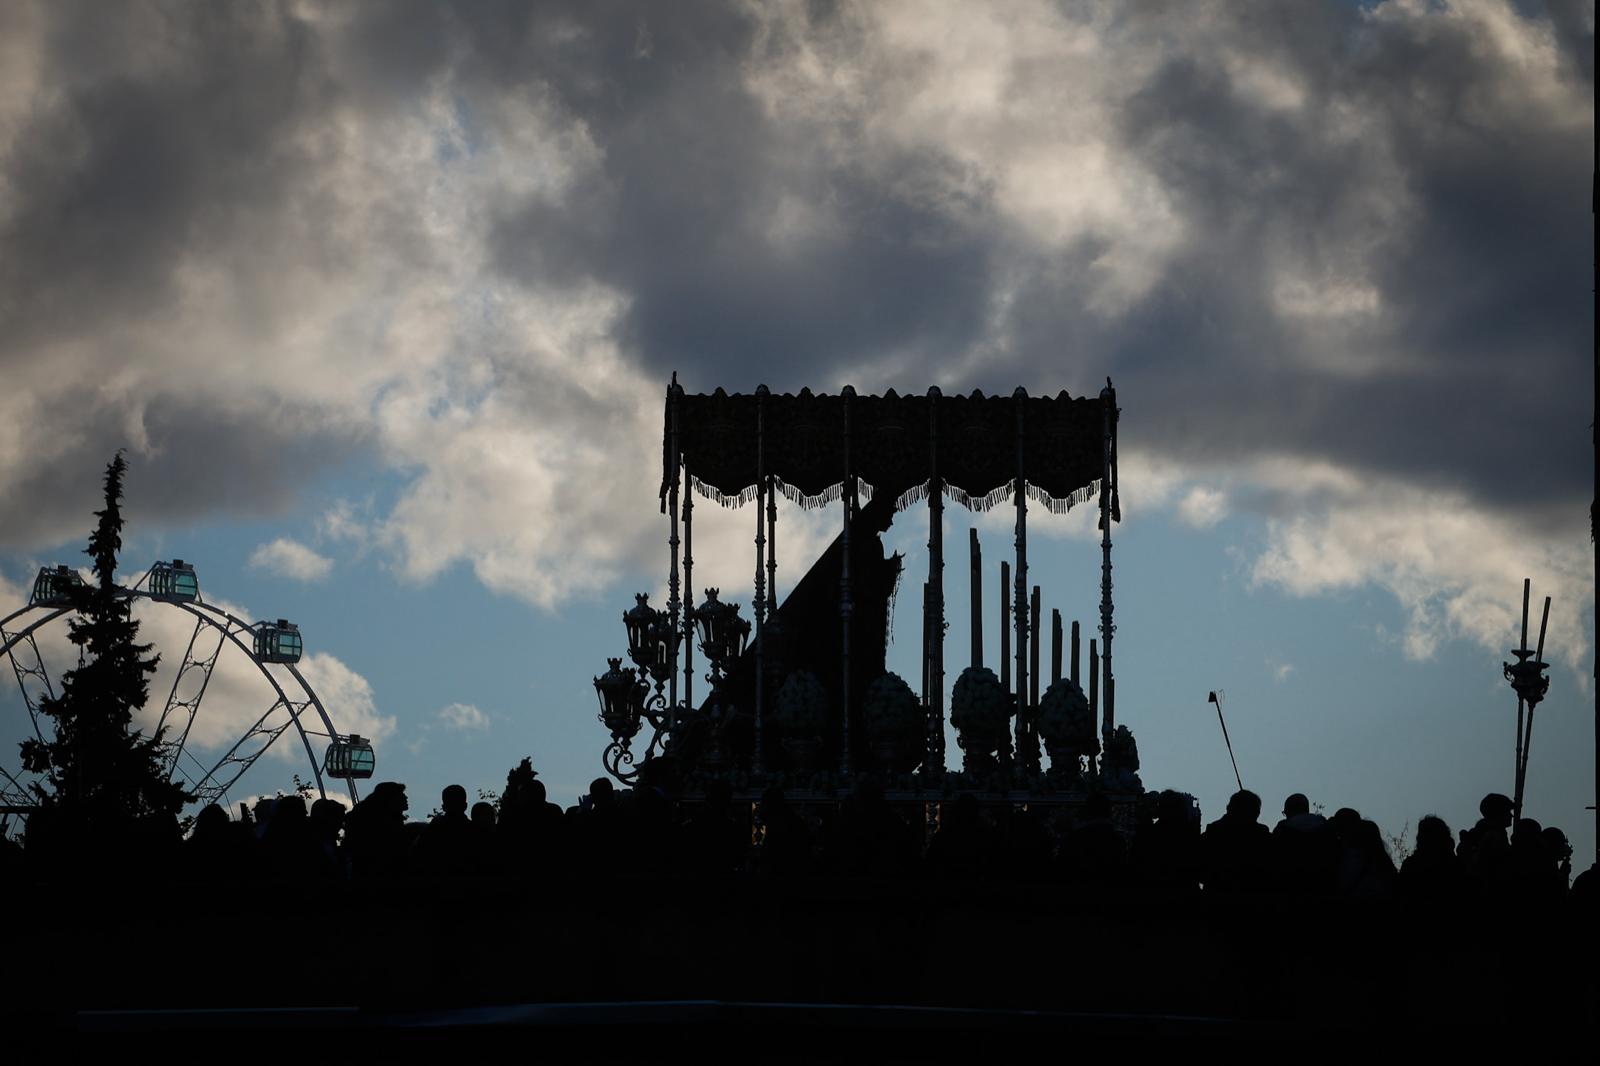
(100, 774)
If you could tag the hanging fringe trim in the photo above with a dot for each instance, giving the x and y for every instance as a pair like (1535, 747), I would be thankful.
(832, 494)
(913, 496)
(997, 496)
(1063, 504)
(810, 501)
(716, 495)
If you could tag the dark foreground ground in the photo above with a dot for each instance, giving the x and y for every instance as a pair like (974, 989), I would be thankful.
(633, 970)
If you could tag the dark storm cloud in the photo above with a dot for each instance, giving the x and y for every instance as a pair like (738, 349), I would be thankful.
(696, 178)
(752, 240)
(156, 131)
(205, 462)
(160, 138)
(1484, 340)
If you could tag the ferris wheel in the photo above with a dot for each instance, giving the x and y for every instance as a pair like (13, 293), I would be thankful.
(208, 770)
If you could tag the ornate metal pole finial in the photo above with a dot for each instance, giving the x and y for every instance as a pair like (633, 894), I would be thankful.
(1528, 681)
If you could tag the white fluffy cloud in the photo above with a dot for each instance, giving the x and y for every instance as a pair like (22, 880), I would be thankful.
(289, 558)
(1202, 507)
(463, 718)
(1456, 570)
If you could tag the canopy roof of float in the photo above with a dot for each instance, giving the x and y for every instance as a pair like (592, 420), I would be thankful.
(893, 444)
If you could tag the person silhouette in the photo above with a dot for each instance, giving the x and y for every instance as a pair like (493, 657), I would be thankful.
(1304, 851)
(375, 832)
(1237, 848)
(446, 847)
(1433, 871)
(1485, 851)
(1166, 856)
(327, 819)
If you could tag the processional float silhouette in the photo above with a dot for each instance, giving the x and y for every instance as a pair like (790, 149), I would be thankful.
(274, 647)
(799, 692)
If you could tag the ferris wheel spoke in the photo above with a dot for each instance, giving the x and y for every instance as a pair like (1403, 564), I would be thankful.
(188, 707)
(13, 791)
(250, 747)
(31, 673)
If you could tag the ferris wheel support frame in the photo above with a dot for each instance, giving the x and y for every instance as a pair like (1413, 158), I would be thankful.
(228, 626)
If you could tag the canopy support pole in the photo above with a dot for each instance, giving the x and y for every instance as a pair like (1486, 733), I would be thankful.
(688, 590)
(1025, 738)
(935, 739)
(672, 570)
(1108, 489)
(760, 606)
(975, 557)
(845, 606)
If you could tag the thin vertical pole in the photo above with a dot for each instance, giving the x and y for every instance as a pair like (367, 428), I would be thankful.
(761, 561)
(688, 588)
(1077, 678)
(927, 695)
(1108, 474)
(1005, 625)
(772, 545)
(1020, 495)
(1094, 697)
(672, 570)
(1094, 678)
(1055, 645)
(935, 737)
(1034, 616)
(845, 606)
(1516, 774)
(975, 561)
(1527, 738)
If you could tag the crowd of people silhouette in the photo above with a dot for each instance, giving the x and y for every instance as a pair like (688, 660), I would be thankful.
(865, 835)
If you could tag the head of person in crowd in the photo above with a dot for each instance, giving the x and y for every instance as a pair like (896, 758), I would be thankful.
(391, 796)
(1434, 837)
(1496, 809)
(1244, 806)
(453, 800)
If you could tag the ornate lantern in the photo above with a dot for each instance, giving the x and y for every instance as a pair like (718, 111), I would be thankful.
(1527, 677)
(652, 639)
(622, 706)
(723, 634)
(620, 700)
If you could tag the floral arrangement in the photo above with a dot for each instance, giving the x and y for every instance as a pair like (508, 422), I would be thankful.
(979, 707)
(1065, 718)
(892, 710)
(802, 707)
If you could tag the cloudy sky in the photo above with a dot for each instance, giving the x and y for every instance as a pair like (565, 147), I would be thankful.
(381, 299)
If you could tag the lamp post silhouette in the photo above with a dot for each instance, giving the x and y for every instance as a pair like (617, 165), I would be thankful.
(723, 636)
(626, 701)
(1529, 682)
